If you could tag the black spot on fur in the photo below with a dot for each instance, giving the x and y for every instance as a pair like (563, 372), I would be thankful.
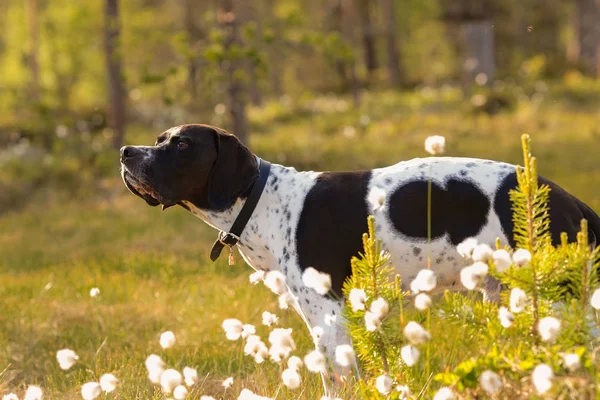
(388, 181)
(332, 222)
(462, 172)
(416, 251)
(460, 209)
(566, 211)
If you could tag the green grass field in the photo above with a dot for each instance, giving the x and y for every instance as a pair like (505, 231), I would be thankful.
(153, 271)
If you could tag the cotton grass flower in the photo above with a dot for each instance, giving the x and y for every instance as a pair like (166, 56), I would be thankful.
(233, 328)
(595, 300)
(518, 300)
(549, 328)
(282, 344)
(330, 319)
(482, 252)
(372, 321)
(10, 396)
(94, 292)
(91, 390)
(207, 398)
(542, 378)
(286, 300)
(275, 281)
(501, 260)
(571, 361)
(315, 361)
(227, 382)
(376, 198)
(317, 333)
(108, 382)
(33, 392)
(167, 340)
(383, 384)
(521, 257)
(256, 348)
(269, 319)
(490, 382)
(444, 393)
(473, 275)
(248, 329)
(403, 392)
(256, 277)
(435, 145)
(190, 376)
(155, 366)
(295, 363)
(415, 333)
(291, 378)
(506, 317)
(425, 281)
(422, 301)
(466, 247)
(358, 299)
(66, 358)
(410, 355)
(180, 392)
(344, 355)
(318, 281)
(170, 379)
(246, 394)
(380, 308)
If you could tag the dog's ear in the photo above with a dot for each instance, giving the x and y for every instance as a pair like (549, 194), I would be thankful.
(232, 174)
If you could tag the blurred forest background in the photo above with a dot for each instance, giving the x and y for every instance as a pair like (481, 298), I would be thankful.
(314, 84)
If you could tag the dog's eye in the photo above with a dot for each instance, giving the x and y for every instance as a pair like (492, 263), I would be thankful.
(182, 145)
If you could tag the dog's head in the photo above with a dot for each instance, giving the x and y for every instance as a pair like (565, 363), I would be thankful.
(201, 164)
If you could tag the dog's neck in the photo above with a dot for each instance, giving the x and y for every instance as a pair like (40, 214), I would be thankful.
(264, 244)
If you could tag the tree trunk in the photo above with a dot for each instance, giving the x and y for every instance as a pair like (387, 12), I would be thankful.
(368, 36)
(346, 23)
(32, 57)
(116, 85)
(237, 104)
(589, 36)
(479, 52)
(274, 52)
(192, 36)
(393, 56)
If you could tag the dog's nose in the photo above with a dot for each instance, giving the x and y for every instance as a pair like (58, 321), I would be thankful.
(128, 152)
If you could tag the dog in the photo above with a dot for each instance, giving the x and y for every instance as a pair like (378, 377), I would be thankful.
(316, 219)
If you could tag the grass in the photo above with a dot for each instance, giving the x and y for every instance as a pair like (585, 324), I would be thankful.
(153, 269)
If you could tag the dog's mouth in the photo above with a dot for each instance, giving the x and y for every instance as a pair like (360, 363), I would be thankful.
(143, 190)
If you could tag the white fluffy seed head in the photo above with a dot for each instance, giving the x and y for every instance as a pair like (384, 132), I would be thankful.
(315, 361)
(383, 383)
(227, 382)
(318, 281)
(295, 363)
(358, 299)
(518, 300)
(403, 392)
(317, 334)
(94, 292)
(291, 378)
(482, 252)
(571, 361)
(180, 392)
(91, 390)
(66, 358)
(330, 319)
(286, 300)
(506, 317)
(33, 392)
(169, 380)
(542, 378)
(422, 301)
(521, 257)
(233, 328)
(256, 277)
(435, 145)
(444, 393)
(372, 321)
(376, 198)
(549, 328)
(466, 247)
(501, 260)
(490, 382)
(595, 299)
(247, 330)
(190, 376)
(410, 355)
(415, 333)
(167, 340)
(282, 344)
(108, 382)
(425, 281)
(380, 308)
(10, 396)
(154, 362)
(269, 319)
(275, 281)
(344, 355)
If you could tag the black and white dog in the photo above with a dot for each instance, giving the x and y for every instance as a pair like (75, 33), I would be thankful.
(317, 219)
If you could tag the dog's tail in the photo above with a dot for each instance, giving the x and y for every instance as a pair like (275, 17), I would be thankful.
(593, 224)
